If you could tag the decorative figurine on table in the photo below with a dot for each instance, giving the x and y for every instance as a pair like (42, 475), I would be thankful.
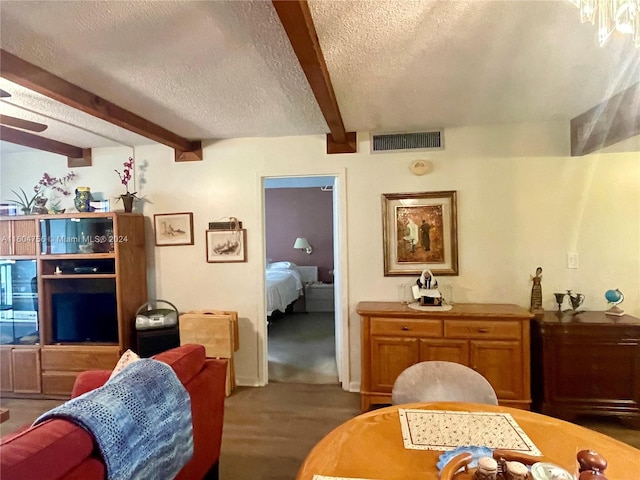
(426, 290)
(536, 292)
(591, 465)
(487, 469)
(615, 298)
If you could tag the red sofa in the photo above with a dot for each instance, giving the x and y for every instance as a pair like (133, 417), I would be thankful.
(60, 450)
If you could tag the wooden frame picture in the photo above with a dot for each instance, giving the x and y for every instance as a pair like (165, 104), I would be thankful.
(173, 229)
(225, 246)
(420, 231)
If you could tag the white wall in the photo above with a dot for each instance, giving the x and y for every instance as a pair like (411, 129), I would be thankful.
(523, 202)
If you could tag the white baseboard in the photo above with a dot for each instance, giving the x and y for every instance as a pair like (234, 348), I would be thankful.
(247, 382)
(354, 387)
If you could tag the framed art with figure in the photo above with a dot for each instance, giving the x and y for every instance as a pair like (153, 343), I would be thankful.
(225, 246)
(173, 228)
(420, 231)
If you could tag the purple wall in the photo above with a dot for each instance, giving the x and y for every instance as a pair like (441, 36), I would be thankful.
(300, 212)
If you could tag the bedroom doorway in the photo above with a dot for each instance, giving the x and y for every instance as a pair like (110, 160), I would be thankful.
(302, 328)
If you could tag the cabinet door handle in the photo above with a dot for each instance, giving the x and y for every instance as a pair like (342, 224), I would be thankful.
(405, 328)
(483, 330)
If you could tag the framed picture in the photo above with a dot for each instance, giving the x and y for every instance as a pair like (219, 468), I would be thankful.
(173, 229)
(420, 231)
(226, 246)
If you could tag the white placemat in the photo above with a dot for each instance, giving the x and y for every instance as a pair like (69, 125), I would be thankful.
(445, 430)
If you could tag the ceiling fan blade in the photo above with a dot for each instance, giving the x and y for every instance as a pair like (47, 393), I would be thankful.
(23, 124)
(4, 93)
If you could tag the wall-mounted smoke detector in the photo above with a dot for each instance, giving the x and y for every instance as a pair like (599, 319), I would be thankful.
(407, 142)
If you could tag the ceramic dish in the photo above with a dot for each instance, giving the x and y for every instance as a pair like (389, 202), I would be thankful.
(549, 471)
(476, 453)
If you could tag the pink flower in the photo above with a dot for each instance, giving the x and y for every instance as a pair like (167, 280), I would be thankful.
(125, 176)
(54, 183)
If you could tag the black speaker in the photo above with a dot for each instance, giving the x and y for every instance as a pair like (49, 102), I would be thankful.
(154, 341)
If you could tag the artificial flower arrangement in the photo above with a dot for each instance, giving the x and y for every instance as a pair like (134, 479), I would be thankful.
(125, 178)
(36, 203)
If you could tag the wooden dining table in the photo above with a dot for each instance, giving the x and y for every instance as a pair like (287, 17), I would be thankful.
(371, 446)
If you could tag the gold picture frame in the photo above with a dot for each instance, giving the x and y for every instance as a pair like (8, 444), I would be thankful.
(173, 229)
(420, 230)
(224, 246)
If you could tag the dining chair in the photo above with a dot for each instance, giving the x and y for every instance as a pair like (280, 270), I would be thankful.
(440, 381)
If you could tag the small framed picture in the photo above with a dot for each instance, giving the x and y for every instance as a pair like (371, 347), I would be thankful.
(226, 246)
(173, 229)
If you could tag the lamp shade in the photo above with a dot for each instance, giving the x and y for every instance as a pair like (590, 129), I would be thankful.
(302, 243)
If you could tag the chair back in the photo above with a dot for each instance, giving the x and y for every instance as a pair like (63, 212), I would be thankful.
(440, 381)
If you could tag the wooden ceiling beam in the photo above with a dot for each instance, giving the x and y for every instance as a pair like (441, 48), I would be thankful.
(76, 156)
(298, 24)
(609, 122)
(35, 78)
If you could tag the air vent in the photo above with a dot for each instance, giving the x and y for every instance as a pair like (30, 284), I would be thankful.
(397, 142)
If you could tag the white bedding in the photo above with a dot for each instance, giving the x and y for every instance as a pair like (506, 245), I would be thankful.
(284, 285)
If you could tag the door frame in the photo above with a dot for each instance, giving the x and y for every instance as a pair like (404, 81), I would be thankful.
(340, 270)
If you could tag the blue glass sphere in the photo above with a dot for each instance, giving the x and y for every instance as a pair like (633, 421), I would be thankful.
(614, 296)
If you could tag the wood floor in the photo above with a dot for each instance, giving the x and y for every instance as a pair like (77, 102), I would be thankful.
(269, 431)
(302, 348)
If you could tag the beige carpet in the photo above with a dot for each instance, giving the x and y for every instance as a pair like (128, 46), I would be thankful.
(302, 349)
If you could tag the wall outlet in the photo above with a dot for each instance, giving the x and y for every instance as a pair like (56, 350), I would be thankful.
(572, 260)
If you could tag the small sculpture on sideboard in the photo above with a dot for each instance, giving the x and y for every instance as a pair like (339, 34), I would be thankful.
(536, 292)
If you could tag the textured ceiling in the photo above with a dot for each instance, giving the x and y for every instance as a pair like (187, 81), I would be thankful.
(224, 69)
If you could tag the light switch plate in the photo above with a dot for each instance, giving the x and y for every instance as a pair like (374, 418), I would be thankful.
(572, 260)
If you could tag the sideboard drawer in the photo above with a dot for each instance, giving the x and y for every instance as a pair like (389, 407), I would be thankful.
(482, 329)
(398, 326)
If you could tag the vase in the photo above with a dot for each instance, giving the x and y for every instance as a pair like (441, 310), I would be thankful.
(127, 201)
(39, 206)
(83, 199)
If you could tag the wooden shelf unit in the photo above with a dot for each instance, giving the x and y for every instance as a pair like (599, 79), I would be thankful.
(49, 368)
(493, 339)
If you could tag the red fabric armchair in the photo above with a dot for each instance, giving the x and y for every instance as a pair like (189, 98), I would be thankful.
(60, 450)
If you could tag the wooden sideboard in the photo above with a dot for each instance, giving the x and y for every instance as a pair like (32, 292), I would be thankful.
(590, 364)
(493, 339)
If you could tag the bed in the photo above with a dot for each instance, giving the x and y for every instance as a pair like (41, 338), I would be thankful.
(285, 284)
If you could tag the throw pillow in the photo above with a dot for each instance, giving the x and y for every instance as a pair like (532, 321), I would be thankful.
(126, 358)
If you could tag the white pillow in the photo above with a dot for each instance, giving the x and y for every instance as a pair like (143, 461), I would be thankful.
(127, 358)
(285, 265)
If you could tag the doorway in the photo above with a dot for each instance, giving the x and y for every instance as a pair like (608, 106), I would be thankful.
(304, 341)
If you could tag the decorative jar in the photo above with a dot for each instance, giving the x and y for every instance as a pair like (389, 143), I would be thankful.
(83, 199)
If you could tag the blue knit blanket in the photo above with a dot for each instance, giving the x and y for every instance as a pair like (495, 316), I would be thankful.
(140, 419)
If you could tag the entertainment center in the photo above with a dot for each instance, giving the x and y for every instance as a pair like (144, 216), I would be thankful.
(89, 280)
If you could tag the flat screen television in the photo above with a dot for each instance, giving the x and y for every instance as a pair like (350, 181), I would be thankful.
(84, 317)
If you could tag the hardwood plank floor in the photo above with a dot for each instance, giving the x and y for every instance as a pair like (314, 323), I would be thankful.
(269, 431)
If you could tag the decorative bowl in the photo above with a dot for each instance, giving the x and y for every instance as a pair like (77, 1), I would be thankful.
(475, 451)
